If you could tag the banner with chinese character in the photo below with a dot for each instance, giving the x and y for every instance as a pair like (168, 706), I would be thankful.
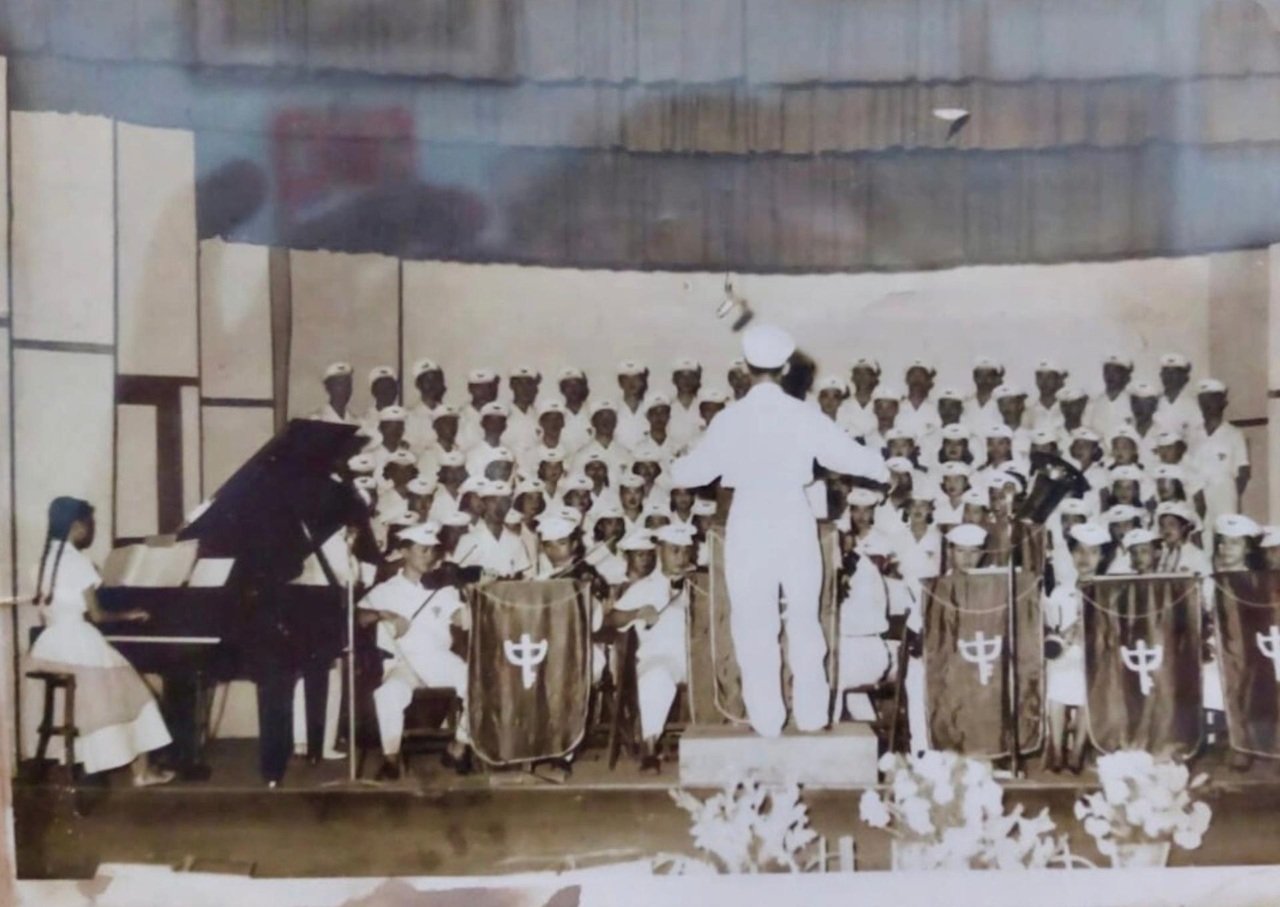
(967, 662)
(528, 669)
(1142, 653)
(1248, 632)
(715, 683)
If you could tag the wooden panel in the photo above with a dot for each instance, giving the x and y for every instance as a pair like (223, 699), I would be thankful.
(235, 320)
(156, 242)
(63, 227)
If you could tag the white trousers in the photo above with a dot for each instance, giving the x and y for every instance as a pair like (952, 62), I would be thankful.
(657, 676)
(392, 697)
(770, 546)
(332, 709)
(864, 661)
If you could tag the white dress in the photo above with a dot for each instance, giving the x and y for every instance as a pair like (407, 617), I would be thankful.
(1065, 675)
(116, 715)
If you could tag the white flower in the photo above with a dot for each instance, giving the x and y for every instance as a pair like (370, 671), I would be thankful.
(932, 767)
(1115, 790)
(1200, 816)
(992, 795)
(1081, 808)
(1097, 828)
(1186, 839)
(1107, 847)
(888, 762)
(873, 811)
(904, 787)
(944, 793)
(972, 806)
(916, 812)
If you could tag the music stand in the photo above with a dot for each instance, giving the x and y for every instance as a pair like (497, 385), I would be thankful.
(1052, 479)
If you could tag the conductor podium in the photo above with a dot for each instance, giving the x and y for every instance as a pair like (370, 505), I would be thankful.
(720, 745)
(844, 756)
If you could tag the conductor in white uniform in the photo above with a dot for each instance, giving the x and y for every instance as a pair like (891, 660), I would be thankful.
(764, 447)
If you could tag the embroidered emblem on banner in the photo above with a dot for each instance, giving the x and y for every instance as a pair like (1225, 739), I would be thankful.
(982, 652)
(526, 655)
(1269, 646)
(1144, 660)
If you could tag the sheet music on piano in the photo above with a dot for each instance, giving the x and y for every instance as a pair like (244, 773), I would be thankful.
(160, 561)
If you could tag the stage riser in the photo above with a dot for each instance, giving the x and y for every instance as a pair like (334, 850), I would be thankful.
(840, 758)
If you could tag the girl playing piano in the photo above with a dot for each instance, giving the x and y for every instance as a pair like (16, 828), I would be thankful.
(118, 718)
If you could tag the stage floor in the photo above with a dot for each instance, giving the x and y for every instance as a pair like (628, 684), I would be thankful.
(434, 822)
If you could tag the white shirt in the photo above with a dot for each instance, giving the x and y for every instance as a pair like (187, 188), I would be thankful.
(632, 426)
(765, 447)
(611, 567)
(429, 459)
(1106, 415)
(857, 419)
(667, 635)
(921, 558)
(429, 631)
(616, 455)
(981, 416)
(1044, 417)
(469, 431)
(865, 610)
(522, 429)
(481, 455)
(577, 428)
(686, 422)
(501, 556)
(1216, 461)
(419, 427)
(1183, 414)
(920, 421)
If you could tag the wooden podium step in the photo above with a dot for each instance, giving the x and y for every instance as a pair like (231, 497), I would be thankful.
(845, 756)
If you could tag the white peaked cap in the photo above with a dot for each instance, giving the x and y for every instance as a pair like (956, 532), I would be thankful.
(1138, 537)
(637, 541)
(967, 535)
(337, 370)
(767, 346)
(1090, 534)
(421, 534)
(1236, 525)
(1270, 537)
(555, 529)
(675, 534)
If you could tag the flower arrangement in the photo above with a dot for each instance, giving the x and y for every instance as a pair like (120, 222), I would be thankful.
(946, 811)
(1143, 801)
(748, 828)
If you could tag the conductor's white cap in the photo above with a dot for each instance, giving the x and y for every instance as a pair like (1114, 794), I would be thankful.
(767, 346)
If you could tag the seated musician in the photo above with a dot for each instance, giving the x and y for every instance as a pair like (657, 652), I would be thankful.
(561, 557)
(656, 609)
(491, 544)
(1065, 673)
(414, 628)
(607, 530)
(117, 717)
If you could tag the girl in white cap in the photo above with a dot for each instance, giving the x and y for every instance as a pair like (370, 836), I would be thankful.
(1064, 673)
(949, 506)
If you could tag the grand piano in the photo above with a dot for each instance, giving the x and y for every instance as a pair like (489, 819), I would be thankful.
(274, 513)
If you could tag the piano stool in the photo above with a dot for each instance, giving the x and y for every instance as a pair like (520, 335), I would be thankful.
(54, 681)
(430, 723)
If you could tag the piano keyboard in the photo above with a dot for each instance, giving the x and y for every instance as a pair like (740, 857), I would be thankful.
(172, 640)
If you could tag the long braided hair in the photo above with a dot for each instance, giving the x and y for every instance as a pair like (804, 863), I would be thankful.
(64, 512)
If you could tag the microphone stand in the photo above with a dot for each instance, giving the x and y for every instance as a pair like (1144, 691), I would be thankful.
(1014, 697)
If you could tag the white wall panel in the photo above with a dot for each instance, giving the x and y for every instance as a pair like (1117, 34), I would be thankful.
(156, 217)
(345, 307)
(235, 320)
(231, 435)
(63, 248)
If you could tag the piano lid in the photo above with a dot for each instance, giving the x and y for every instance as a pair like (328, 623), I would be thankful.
(261, 511)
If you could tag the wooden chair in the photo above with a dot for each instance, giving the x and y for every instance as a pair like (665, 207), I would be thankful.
(430, 723)
(624, 721)
(54, 681)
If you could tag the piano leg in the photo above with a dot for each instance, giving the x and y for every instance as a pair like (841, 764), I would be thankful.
(187, 704)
